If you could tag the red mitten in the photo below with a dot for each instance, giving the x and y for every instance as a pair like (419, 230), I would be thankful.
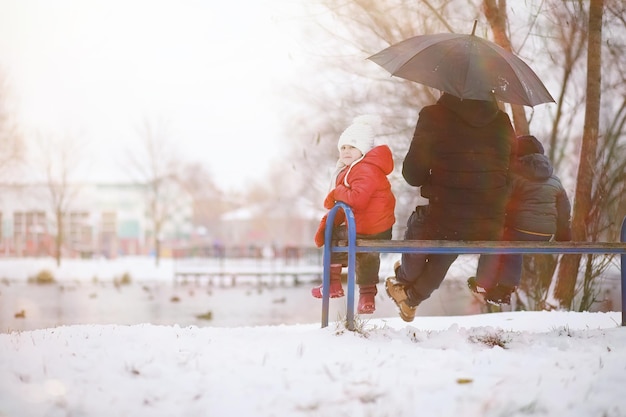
(329, 201)
(340, 217)
(319, 235)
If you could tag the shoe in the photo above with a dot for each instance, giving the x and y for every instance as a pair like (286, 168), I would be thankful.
(396, 292)
(474, 287)
(336, 290)
(500, 294)
(367, 295)
(367, 303)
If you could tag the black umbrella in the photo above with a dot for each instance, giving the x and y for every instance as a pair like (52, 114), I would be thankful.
(465, 66)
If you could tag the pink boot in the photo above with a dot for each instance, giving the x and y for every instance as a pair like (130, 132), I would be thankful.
(336, 290)
(367, 296)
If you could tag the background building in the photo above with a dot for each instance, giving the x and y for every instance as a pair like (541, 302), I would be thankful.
(114, 219)
(98, 220)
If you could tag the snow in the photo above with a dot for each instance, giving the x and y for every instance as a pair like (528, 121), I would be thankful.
(140, 268)
(549, 363)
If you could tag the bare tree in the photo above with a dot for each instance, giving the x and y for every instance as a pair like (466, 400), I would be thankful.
(11, 139)
(561, 30)
(538, 269)
(58, 159)
(343, 84)
(564, 42)
(550, 35)
(568, 270)
(209, 202)
(156, 167)
(496, 15)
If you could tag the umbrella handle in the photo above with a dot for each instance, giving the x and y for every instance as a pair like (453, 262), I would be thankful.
(474, 28)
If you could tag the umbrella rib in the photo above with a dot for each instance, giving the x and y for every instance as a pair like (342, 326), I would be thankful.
(469, 63)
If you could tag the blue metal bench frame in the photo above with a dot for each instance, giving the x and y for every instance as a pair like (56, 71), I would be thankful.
(458, 247)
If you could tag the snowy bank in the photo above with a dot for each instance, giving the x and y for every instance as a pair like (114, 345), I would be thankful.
(513, 364)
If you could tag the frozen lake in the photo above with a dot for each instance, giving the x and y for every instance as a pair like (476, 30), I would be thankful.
(26, 306)
(89, 292)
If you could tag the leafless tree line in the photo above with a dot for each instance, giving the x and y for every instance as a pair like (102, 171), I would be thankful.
(57, 161)
(577, 47)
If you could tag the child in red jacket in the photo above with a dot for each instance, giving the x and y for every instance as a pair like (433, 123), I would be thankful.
(362, 184)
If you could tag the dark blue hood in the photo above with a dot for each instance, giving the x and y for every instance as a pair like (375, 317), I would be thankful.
(535, 166)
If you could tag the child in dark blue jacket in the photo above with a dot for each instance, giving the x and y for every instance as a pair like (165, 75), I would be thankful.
(538, 210)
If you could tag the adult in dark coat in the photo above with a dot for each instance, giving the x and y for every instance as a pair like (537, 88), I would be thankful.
(460, 156)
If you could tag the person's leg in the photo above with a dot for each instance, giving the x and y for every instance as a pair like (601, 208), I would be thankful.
(488, 271)
(406, 271)
(367, 267)
(412, 264)
(368, 263)
(432, 276)
(418, 275)
(339, 233)
(367, 298)
(423, 274)
(367, 270)
(499, 290)
(336, 289)
(510, 272)
(337, 261)
(408, 297)
(411, 267)
(511, 267)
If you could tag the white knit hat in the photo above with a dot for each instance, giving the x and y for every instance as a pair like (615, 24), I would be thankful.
(360, 133)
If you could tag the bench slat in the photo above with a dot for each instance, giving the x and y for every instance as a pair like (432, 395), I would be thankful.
(480, 247)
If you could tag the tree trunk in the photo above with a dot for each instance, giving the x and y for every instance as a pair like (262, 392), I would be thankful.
(568, 271)
(157, 251)
(58, 241)
(157, 242)
(497, 18)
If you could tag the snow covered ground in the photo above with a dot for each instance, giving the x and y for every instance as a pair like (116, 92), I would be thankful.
(504, 364)
(139, 268)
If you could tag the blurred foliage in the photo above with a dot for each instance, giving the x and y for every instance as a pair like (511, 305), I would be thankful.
(43, 277)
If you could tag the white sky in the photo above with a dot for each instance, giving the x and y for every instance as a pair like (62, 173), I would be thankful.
(211, 70)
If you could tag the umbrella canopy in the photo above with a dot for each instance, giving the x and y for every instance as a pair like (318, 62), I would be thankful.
(465, 66)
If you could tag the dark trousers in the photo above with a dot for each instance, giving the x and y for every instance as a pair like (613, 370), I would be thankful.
(367, 263)
(507, 268)
(421, 274)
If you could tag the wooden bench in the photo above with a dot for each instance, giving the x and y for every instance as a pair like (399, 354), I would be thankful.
(353, 245)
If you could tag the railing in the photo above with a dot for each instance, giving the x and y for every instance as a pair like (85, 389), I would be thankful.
(352, 246)
(207, 269)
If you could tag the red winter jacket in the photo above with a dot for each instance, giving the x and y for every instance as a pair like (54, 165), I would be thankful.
(368, 192)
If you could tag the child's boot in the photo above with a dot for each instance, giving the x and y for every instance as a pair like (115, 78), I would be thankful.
(367, 296)
(500, 294)
(475, 287)
(336, 290)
